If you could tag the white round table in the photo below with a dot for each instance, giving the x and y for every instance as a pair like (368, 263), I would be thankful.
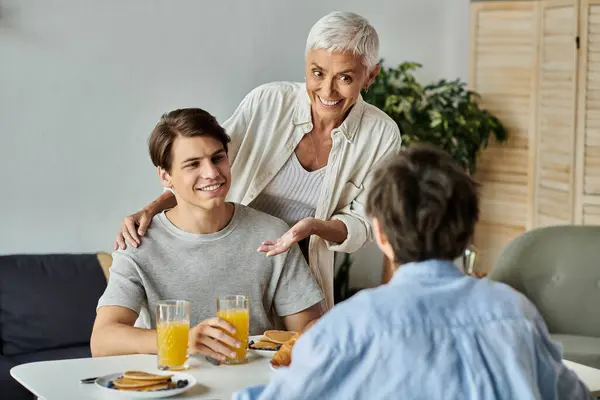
(59, 380)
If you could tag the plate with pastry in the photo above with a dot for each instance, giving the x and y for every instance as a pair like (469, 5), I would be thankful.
(267, 345)
(262, 346)
(144, 385)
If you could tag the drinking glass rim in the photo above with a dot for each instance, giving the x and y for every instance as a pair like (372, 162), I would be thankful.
(172, 303)
(233, 297)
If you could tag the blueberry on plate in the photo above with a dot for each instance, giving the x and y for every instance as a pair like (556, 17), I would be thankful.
(110, 385)
(182, 384)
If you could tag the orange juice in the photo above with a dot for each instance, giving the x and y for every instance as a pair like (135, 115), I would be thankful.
(240, 318)
(172, 342)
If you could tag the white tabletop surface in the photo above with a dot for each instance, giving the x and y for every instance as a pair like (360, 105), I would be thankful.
(59, 380)
(588, 375)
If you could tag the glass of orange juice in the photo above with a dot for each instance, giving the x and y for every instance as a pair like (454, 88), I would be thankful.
(172, 332)
(236, 311)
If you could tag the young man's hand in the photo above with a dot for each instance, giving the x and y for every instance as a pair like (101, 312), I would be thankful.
(211, 336)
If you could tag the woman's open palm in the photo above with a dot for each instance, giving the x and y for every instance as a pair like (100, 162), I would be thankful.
(301, 230)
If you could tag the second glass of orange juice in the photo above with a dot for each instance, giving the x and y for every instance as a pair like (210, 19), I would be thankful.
(236, 311)
(172, 332)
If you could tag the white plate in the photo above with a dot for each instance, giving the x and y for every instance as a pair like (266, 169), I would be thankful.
(262, 353)
(104, 381)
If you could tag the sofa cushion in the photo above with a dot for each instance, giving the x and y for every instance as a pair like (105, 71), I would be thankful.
(580, 349)
(48, 301)
(9, 387)
(54, 354)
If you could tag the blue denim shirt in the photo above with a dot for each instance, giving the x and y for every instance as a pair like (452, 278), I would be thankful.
(431, 333)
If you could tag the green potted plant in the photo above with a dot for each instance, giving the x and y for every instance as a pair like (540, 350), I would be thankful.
(444, 113)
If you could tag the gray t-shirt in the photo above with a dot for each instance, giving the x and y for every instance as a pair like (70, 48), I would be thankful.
(174, 264)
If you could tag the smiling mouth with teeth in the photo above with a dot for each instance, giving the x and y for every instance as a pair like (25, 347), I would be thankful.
(211, 187)
(329, 103)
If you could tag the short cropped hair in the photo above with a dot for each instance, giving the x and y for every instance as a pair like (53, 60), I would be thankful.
(186, 122)
(345, 32)
(426, 204)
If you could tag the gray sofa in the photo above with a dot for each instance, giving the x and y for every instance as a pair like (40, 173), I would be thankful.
(47, 309)
(558, 269)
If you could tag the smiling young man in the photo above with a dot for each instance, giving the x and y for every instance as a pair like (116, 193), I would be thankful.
(202, 248)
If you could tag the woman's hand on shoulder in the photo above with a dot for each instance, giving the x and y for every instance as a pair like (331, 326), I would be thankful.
(132, 228)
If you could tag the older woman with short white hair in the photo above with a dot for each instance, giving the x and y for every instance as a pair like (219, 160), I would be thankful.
(304, 152)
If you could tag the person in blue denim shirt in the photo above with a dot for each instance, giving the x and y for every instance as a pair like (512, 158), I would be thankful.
(432, 332)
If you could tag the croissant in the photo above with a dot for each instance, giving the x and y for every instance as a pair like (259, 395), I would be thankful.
(283, 356)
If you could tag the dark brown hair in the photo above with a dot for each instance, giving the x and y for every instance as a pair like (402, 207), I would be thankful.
(426, 203)
(186, 122)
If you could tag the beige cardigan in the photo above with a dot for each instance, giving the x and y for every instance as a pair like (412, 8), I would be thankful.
(266, 128)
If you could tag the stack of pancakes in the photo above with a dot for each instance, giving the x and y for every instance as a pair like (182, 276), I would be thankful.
(143, 381)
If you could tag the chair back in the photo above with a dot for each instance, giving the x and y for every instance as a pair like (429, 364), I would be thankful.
(558, 269)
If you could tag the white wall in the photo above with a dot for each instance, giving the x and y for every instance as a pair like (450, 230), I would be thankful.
(82, 82)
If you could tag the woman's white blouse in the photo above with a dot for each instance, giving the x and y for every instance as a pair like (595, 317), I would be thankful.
(265, 130)
(291, 203)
